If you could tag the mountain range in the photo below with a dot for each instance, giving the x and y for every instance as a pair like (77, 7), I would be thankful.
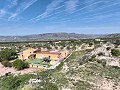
(55, 36)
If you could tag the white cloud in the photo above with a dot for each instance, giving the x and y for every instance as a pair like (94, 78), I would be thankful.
(49, 9)
(71, 5)
(4, 13)
(22, 8)
(12, 3)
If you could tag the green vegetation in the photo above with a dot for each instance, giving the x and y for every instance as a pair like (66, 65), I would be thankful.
(20, 65)
(82, 70)
(115, 52)
(46, 85)
(108, 48)
(7, 54)
(101, 54)
(81, 85)
(6, 63)
(92, 58)
(103, 62)
(14, 82)
(88, 72)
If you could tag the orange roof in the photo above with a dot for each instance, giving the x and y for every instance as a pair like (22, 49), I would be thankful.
(56, 53)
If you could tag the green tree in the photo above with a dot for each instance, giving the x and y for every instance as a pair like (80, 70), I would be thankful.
(115, 52)
(7, 54)
(20, 65)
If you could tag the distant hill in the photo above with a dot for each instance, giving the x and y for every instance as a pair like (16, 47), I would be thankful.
(54, 36)
(46, 36)
(117, 35)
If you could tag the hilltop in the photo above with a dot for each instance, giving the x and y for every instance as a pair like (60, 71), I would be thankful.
(46, 36)
(116, 35)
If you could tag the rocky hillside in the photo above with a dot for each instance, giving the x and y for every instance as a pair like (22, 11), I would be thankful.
(117, 35)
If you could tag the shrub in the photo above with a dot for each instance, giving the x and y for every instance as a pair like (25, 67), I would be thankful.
(93, 56)
(91, 59)
(7, 54)
(46, 85)
(6, 63)
(14, 82)
(90, 44)
(103, 62)
(81, 62)
(115, 52)
(101, 54)
(108, 48)
(99, 61)
(19, 64)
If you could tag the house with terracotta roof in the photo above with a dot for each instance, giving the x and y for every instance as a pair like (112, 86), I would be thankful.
(36, 58)
(50, 55)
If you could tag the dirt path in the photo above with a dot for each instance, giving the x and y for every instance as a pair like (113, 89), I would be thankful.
(4, 70)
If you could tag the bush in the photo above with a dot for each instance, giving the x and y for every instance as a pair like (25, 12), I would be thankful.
(7, 54)
(81, 62)
(93, 56)
(19, 64)
(108, 48)
(115, 52)
(46, 85)
(6, 63)
(99, 61)
(101, 54)
(103, 62)
(14, 82)
(90, 44)
(91, 59)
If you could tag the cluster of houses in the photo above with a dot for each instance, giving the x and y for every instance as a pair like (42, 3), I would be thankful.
(35, 57)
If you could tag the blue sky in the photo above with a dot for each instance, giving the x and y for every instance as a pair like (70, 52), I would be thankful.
(24, 17)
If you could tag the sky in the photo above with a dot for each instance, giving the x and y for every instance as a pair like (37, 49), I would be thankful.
(24, 17)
